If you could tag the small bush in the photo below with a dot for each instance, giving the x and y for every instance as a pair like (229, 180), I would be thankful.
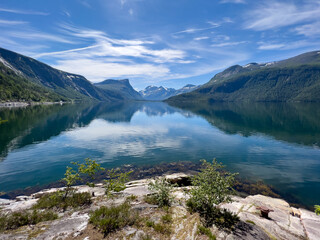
(212, 186)
(206, 231)
(132, 198)
(167, 218)
(17, 219)
(109, 219)
(116, 181)
(58, 200)
(151, 199)
(90, 168)
(162, 189)
(317, 209)
(162, 228)
(149, 223)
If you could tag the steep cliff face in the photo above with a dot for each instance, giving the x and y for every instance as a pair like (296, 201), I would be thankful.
(121, 89)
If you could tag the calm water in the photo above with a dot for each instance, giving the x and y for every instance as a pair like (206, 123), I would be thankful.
(277, 143)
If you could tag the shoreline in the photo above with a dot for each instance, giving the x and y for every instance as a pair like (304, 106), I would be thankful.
(25, 104)
(283, 222)
(243, 186)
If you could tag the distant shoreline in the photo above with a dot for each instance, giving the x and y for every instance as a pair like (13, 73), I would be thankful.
(25, 104)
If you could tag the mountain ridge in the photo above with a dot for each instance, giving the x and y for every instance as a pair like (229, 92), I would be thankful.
(293, 79)
(42, 82)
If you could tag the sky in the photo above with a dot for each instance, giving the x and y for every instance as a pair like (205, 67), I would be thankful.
(158, 42)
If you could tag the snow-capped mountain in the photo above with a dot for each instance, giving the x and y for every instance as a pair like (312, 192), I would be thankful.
(161, 93)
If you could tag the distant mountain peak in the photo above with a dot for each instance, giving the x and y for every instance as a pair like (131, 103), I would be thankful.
(161, 93)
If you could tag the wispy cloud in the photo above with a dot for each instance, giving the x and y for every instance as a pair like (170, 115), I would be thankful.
(228, 44)
(309, 30)
(233, 1)
(10, 22)
(270, 46)
(18, 11)
(200, 38)
(194, 30)
(99, 69)
(38, 36)
(274, 14)
(288, 45)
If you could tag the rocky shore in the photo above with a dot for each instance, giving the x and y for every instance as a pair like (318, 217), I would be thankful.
(284, 222)
(25, 104)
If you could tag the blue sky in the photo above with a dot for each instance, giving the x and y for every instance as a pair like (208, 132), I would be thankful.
(158, 42)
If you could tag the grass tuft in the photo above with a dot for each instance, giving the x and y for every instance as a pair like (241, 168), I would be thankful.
(206, 231)
(110, 219)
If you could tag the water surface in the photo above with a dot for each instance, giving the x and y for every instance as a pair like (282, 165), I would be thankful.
(276, 143)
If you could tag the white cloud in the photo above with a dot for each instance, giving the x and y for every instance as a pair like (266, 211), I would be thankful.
(288, 45)
(97, 70)
(273, 14)
(233, 1)
(37, 36)
(200, 38)
(18, 11)
(10, 22)
(228, 44)
(270, 46)
(309, 30)
(194, 30)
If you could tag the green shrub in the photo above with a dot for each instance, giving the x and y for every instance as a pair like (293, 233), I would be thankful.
(162, 228)
(132, 198)
(167, 218)
(109, 219)
(149, 223)
(116, 181)
(206, 231)
(317, 209)
(90, 168)
(162, 189)
(212, 186)
(58, 200)
(17, 219)
(151, 199)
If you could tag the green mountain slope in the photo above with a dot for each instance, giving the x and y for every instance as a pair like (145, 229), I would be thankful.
(17, 88)
(121, 89)
(67, 85)
(294, 79)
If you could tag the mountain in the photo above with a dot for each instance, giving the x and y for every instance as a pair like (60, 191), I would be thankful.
(15, 87)
(120, 89)
(26, 79)
(157, 93)
(162, 93)
(293, 79)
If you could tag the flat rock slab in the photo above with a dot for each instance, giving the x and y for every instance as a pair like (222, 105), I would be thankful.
(62, 228)
(137, 190)
(19, 205)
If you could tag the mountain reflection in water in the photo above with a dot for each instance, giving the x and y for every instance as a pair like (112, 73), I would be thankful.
(277, 143)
